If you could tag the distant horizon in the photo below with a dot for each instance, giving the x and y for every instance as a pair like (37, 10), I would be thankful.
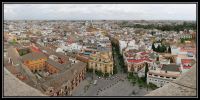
(89, 20)
(100, 12)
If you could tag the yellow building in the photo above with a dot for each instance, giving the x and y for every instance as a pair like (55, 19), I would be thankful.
(101, 61)
(34, 61)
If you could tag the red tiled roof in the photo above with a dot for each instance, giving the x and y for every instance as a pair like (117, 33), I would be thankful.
(185, 49)
(34, 49)
(138, 60)
(70, 40)
(186, 67)
(183, 61)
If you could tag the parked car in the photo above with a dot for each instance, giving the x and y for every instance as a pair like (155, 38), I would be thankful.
(95, 82)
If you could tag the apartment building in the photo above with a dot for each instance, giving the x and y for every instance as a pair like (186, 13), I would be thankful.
(163, 74)
(101, 61)
(135, 60)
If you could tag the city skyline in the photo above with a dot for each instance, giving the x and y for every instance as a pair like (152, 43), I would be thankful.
(99, 11)
(124, 50)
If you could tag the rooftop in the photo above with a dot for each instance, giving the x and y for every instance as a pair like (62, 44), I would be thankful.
(58, 79)
(57, 65)
(15, 87)
(33, 56)
(12, 52)
(185, 85)
(184, 61)
(170, 67)
(137, 60)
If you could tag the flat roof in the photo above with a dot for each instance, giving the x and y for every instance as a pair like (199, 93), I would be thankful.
(171, 67)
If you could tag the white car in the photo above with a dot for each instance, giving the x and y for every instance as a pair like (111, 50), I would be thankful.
(95, 82)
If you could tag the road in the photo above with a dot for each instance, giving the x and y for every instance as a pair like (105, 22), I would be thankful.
(116, 60)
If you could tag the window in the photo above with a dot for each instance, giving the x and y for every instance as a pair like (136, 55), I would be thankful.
(155, 75)
(161, 76)
(167, 77)
(155, 80)
(174, 77)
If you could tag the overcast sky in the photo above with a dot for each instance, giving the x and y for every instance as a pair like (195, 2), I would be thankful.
(100, 11)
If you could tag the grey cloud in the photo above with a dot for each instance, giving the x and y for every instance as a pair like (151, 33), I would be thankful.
(100, 11)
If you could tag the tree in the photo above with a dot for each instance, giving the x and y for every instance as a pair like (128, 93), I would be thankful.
(158, 48)
(89, 70)
(169, 49)
(165, 48)
(23, 52)
(106, 74)
(152, 86)
(183, 40)
(153, 47)
(162, 48)
(99, 73)
(13, 42)
(146, 70)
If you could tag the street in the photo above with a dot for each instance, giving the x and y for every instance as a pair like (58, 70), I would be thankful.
(119, 68)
